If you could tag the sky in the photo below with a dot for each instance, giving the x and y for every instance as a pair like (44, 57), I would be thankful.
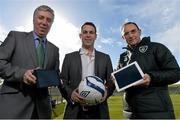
(159, 19)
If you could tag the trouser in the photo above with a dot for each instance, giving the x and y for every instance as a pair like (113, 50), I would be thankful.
(127, 112)
(90, 112)
(34, 113)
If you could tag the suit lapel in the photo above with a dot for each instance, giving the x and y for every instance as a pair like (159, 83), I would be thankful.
(31, 48)
(48, 53)
(79, 65)
(96, 63)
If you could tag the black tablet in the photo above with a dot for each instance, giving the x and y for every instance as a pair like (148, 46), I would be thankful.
(47, 78)
(127, 76)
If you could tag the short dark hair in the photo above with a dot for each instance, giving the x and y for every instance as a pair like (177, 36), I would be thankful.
(88, 23)
(43, 8)
(127, 23)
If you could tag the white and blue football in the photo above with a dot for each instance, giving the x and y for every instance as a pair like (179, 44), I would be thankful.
(92, 89)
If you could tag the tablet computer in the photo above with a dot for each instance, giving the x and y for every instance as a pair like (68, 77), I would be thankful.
(127, 76)
(47, 78)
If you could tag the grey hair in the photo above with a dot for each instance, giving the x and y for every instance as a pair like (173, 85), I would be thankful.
(43, 8)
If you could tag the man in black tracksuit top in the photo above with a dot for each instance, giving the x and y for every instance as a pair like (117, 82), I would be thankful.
(149, 99)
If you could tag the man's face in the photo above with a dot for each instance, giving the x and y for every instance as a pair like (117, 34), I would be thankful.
(88, 36)
(131, 34)
(42, 23)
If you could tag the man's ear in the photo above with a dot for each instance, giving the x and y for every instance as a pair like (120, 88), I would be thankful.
(123, 37)
(96, 36)
(80, 35)
(140, 32)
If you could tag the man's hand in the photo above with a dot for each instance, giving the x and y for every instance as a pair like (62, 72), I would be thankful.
(76, 97)
(146, 81)
(29, 78)
(104, 97)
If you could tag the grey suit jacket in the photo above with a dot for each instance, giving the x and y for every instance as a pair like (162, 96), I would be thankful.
(18, 54)
(72, 74)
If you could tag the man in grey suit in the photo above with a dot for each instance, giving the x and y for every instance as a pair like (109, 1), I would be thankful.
(79, 64)
(19, 96)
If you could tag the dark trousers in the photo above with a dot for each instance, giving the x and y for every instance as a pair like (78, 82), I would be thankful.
(34, 113)
(90, 112)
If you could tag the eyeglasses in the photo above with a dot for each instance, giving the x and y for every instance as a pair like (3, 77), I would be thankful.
(88, 32)
(133, 31)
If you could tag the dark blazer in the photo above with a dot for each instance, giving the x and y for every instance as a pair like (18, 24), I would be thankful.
(72, 74)
(18, 54)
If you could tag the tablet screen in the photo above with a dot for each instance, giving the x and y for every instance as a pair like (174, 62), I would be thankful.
(127, 76)
(47, 78)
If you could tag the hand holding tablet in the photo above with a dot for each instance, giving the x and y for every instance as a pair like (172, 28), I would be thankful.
(127, 76)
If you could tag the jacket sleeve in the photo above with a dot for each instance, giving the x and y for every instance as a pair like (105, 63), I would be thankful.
(169, 71)
(8, 71)
(109, 83)
(64, 89)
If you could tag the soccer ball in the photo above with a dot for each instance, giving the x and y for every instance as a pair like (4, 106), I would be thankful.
(92, 89)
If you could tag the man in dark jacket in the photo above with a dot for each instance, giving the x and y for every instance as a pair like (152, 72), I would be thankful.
(149, 99)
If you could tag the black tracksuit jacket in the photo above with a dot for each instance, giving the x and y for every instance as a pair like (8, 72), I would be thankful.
(156, 60)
